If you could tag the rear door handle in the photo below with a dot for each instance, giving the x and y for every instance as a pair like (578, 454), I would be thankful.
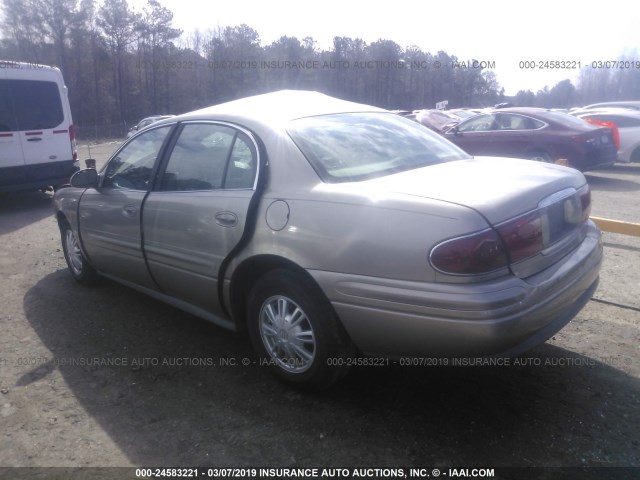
(226, 219)
(34, 139)
(129, 211)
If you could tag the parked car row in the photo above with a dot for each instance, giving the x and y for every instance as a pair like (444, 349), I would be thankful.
(587, 139)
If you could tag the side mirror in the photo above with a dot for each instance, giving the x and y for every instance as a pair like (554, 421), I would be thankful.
(452, 130)
(87, 178)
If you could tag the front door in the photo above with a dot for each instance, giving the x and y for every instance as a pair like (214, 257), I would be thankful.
(110, 215)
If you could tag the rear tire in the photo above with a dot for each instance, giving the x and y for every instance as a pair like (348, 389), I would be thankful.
(635, 156)
(295, 331)
(80, 269)
(540, 156)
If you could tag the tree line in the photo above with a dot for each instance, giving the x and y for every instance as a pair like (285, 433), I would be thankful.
(121, 65)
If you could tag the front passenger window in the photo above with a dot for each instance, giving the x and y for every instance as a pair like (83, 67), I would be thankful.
(133, 166)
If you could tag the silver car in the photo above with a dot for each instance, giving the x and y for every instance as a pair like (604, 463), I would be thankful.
(328, 229)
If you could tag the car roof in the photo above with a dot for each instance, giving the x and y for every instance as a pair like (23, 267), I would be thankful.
(279, 106)
(522, 110)
(156, 116)
(635, 104)
(623, 112)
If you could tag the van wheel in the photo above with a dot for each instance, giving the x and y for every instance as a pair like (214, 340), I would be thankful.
(80, 269)
(295, 331)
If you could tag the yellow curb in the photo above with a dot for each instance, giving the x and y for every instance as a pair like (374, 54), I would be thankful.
(616, 226)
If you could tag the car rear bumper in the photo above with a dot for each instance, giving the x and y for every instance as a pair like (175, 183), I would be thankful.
(500, 317)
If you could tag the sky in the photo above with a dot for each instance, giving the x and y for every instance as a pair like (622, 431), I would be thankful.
(503, 32)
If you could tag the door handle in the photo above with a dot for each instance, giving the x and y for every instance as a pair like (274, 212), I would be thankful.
(129, 211)
(226, 219)
(34, 139)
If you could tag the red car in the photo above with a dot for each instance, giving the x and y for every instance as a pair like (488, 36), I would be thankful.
(536, 134)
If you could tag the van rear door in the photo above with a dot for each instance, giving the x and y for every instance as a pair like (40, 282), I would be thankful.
(11, 155)
(43, 131)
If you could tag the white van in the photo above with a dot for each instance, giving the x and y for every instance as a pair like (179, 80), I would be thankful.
(37, 140)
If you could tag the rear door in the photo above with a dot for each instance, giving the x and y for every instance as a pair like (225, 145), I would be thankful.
(198, 210)
(110, 216)
(41, 121)
(11, 156)
(513, 135)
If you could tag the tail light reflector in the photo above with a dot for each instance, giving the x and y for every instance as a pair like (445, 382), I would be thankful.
(585, 202)
(612, 126)
(523, 236)
(478, 253)
(72, 139)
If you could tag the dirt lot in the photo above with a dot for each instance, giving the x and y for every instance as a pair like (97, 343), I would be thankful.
(175, 391)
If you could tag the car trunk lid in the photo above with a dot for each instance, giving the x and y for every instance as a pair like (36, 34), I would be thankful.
(538, 210)
(498, 188)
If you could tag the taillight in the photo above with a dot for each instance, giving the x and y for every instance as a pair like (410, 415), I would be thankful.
(72, 139)
(516, 239)
(614, 129)
(481, 252)
(523, 236)
(585, 202)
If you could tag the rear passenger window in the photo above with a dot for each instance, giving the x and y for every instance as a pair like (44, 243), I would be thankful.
(36, 105)
(242, 164)
(210, 157)
(507, 121)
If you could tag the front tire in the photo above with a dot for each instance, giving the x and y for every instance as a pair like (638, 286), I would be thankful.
(80, 269)
(296, 332)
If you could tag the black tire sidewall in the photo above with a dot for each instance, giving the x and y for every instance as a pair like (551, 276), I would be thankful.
(88, 275)
(331, 340)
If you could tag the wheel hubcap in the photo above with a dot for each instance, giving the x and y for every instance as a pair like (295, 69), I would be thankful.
(287, 334)
(540, 158)
(73, 252)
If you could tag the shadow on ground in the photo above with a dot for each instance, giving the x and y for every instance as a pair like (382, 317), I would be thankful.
(581, 413)
(20, 209)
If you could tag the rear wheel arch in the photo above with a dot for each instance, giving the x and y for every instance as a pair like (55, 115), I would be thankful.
(62, 219)
(248, 273)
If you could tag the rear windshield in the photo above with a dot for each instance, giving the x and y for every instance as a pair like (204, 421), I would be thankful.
(359, 146)
(29, 105)
(568, 120)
